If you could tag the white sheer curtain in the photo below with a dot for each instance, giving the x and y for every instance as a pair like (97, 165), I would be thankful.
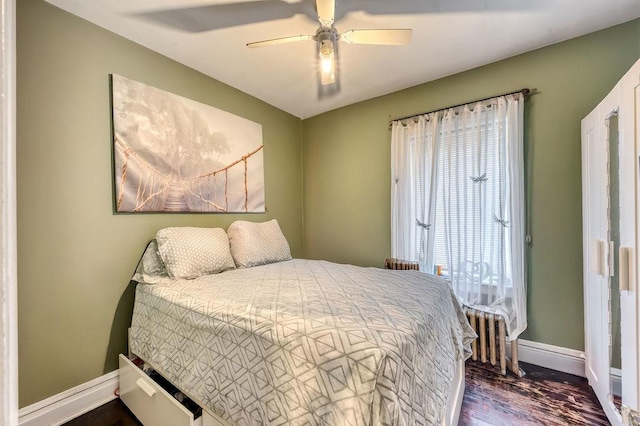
(457, 201)
(414, 168)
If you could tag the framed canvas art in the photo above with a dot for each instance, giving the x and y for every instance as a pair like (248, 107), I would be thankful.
(173, 154)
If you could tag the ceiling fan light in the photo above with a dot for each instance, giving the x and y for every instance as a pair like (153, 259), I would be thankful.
(327, 65)
(327, 62)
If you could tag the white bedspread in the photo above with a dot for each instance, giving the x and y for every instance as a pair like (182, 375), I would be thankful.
(306, 342)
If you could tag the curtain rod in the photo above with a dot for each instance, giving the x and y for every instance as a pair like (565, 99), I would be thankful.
(525, 92)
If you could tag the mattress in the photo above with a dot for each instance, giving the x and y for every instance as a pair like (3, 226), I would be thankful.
(306, 342)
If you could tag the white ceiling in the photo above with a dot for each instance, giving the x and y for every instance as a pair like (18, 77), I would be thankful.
(449, 36)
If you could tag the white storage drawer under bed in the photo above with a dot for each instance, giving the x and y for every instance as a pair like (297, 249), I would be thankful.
(149, 402)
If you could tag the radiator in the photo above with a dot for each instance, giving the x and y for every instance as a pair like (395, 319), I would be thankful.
(491, 344)
(490, 328)
(393, 263)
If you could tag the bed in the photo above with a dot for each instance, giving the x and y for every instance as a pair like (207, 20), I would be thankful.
(307, 342)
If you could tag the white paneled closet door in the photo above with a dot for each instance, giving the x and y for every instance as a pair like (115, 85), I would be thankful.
(594, 248)
(609, 194)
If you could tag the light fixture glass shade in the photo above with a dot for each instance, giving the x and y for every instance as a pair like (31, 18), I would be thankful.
(327, 61)
(328, 57)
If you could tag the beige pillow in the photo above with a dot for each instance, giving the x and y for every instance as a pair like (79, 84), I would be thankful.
(254, 244)
(192, 252)
(150, 267)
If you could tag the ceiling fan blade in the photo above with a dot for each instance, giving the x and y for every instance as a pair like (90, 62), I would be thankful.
(223, 15)
(281, 40)
(391, 37)
(326, 12)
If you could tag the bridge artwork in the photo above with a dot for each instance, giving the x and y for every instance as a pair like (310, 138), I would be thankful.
(173, 154)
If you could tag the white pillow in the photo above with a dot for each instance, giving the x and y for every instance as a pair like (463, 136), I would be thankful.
(192, 252)
(254, 244)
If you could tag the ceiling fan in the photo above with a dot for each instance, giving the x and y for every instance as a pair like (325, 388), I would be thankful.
(327, 37)
(229, 13)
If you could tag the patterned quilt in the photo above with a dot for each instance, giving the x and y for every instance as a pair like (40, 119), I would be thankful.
(306, 342)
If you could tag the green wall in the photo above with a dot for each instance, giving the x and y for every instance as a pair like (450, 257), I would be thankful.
(75, 257)
(346, 162)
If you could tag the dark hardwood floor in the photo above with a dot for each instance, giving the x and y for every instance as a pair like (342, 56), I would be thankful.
(114, 413)
(542, 397)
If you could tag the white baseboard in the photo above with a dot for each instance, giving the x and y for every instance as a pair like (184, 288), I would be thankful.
(549, 356)
(70, 404)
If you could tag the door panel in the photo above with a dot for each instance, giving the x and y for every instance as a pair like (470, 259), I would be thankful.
(592, 200)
